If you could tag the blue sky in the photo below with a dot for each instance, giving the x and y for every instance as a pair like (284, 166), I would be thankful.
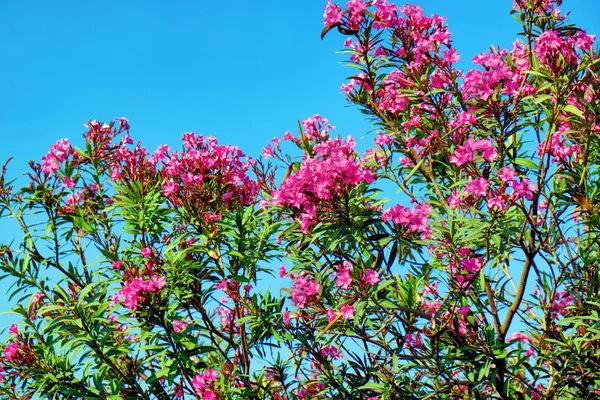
(243, 72)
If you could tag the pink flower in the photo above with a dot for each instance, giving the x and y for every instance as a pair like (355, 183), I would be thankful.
(13, 329)
(323, 178)
(203, 384)
(268, 151)
(123, 124)
(286, 317)
(454, 200)
(496, 203)
(478, 187)
(304, 290)
(331, 351)
(333, 13)
(414, 339)
(331, 315)
(179, 326)
(382, 139)
(414, 220)
(178, 392)
(370, 276)
(518, 336)
(11, 352)
(146, 252)
(343, 276)
(282, 271)
(347, 311)
(523, 189)
(506, 174)
(562, 300)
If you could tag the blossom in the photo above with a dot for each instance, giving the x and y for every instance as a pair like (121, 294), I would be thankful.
(331, 315)
(179, 326)
(333, 13)
(466, 152)
(58, 154)
(282, 271)
(518, 336)
(478, 187)
(414, 220)
(323, 179)
(506, 174)
(331, 351)
(562, 300)
(304, 289)
(146, 252)
(14, 330)
(370, 276)
(347, 311)
(383, 140)
(523, 338)
(203, 384)
(343, 276)
(523, 189)
(11, 351)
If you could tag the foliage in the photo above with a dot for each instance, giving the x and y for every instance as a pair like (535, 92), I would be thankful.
(149, 275)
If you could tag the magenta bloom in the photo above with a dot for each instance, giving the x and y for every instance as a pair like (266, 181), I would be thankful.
(304, 289)
(370, 276)
(203, 384)
(523, 189)
(179, 326)
(14, 330)
(323, 179)
(331, 351)
(11, 352)
(347, 311)
(146, 252)
(343, 276)
(333, 13)
(282, 271)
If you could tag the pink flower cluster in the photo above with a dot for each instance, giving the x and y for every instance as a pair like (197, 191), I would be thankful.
(498, 74)
(204, 384)
(415, 220)
(539, 6)
(497, 199)
(135, 290)
(523, 338)
(305, 289)
(562, 300)
(206, 175)
(58, 154)
(322, 180)
(466, 269)
(466, 152)
(12, 352)
(559, 146)
(344, 276)
(331, 351)
(179, 326)
(555, 51)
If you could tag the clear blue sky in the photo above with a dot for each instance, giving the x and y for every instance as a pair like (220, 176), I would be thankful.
(243, 71)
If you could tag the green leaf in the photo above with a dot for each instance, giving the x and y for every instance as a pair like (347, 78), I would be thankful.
(525, 162)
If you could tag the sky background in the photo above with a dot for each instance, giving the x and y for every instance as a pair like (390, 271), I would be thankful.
(243, 71)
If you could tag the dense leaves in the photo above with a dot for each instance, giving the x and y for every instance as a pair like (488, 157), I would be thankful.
(455, 258)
